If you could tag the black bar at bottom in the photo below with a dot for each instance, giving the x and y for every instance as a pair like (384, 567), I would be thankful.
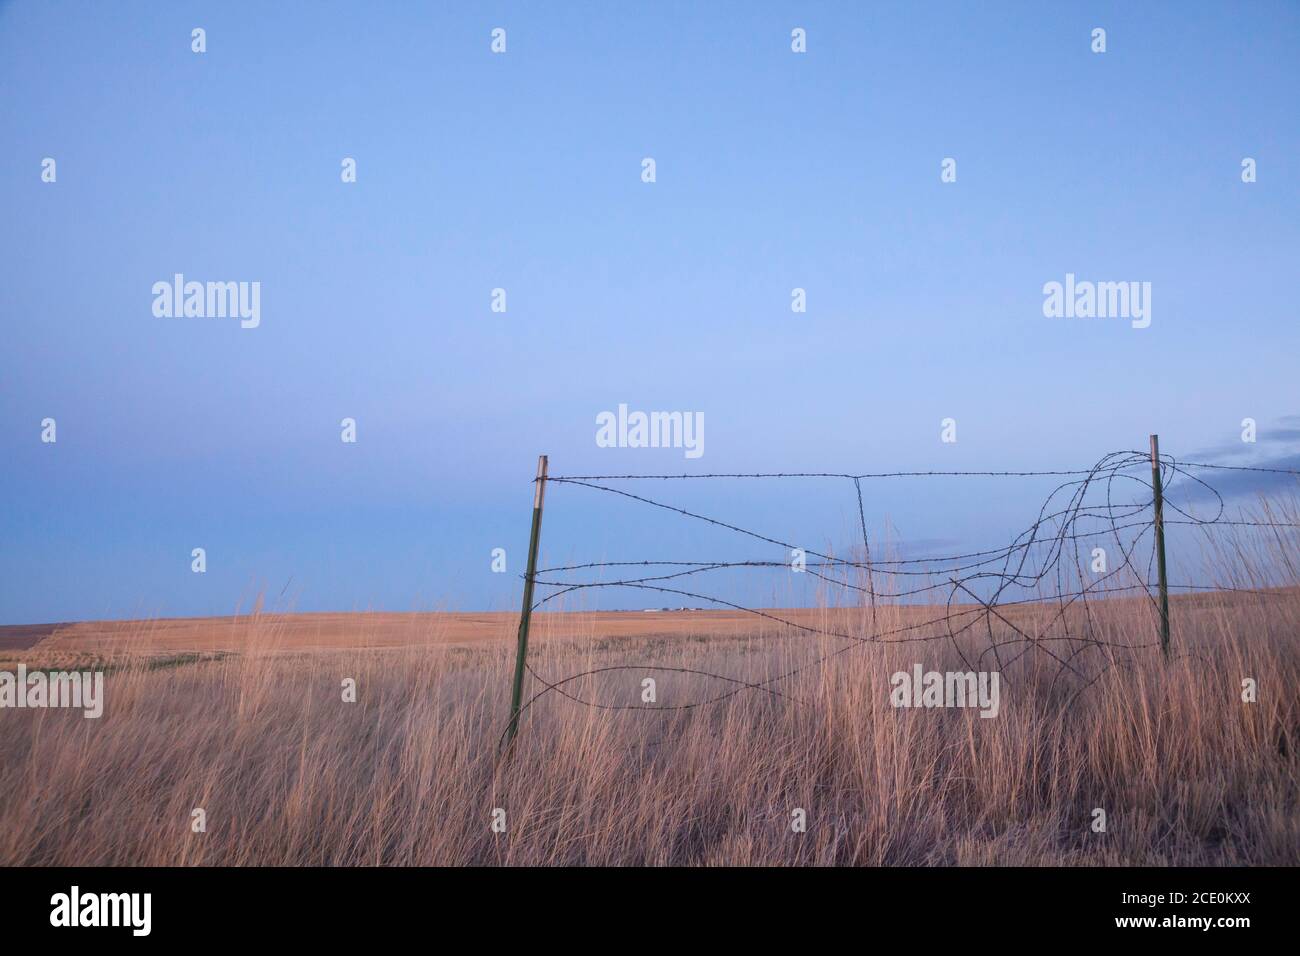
(673, 907)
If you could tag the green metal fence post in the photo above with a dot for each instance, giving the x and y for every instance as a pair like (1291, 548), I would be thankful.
(526, 612)
(1160, 544)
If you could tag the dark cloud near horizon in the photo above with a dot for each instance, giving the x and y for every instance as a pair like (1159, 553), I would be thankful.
(1277, 448)
(1235, 484)
(1270, 439)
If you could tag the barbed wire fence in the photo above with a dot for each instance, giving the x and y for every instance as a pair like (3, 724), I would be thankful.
(973, 592)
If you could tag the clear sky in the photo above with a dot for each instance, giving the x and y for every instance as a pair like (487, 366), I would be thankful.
(523, 171)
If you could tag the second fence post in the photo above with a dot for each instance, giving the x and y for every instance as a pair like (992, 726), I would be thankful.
(1160, 543)
(526, 612)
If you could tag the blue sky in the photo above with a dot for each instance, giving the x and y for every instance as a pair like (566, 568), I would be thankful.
(521, 171)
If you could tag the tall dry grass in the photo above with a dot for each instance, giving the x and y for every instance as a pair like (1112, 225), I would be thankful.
(289, 774)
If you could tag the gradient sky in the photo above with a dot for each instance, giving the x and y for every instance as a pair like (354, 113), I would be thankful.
(522, 171)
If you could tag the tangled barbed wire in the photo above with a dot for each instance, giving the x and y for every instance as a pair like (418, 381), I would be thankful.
(972, 592)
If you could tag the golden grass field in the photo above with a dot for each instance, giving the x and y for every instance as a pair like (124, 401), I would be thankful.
(244, 718)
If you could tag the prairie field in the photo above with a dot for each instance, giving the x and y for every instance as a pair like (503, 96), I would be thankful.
(753, 721)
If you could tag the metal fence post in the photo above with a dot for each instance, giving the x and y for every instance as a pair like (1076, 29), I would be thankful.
(526, 612)
(1160, 544)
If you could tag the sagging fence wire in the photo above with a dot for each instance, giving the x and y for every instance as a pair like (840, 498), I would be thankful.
(1112, 502)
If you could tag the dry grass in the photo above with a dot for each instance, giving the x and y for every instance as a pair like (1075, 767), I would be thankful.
(289, 774)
